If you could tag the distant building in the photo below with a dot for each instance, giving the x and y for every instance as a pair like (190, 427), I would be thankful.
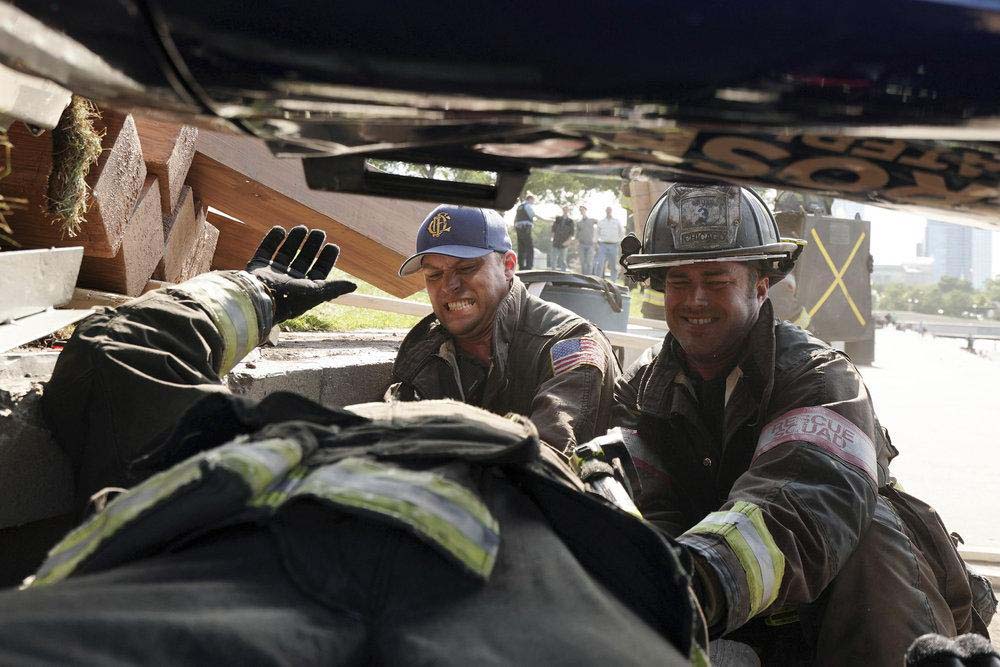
(959, 252)
(913, 271)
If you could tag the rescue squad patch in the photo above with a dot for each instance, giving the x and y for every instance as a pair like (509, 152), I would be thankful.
(576, 352)
(830, 431)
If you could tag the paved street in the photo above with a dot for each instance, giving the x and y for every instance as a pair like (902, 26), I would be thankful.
(940, 404)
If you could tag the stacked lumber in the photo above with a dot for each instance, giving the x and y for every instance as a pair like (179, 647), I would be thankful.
(142, 220)
(149, 217)
(115, 183)
(128, 271)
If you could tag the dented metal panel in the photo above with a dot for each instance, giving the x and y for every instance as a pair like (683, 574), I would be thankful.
(33, 280)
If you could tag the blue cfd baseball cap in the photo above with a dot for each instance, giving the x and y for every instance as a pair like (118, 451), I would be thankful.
(458, 231)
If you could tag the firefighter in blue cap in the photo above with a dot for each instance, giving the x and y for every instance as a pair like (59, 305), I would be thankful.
(491, 344)
(283, 532)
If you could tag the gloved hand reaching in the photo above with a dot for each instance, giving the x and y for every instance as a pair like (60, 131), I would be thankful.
(296, 275)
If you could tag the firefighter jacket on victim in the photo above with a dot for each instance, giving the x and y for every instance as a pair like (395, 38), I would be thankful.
(778, 498)
(548, 364)
(127, 375)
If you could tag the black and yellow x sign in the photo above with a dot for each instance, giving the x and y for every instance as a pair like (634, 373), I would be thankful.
(838, 277)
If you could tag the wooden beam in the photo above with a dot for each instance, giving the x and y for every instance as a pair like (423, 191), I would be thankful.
(239, 176)
(140, 250)
(167, 149)
(182, 231)
(200, 259)
(237, 241)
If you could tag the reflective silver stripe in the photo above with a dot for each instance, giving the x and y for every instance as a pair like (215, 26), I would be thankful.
(67, 555)
(760, 552)
(260, 465)
(231, 310)
(339, 477)
(443, 511)
(742, 532)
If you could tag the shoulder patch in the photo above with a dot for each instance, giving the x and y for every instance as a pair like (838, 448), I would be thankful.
(575, 352)
(826, 429)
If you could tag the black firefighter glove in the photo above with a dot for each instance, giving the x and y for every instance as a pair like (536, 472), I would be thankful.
(296, 275)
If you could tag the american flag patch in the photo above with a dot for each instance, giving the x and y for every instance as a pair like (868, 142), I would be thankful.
(575, 352)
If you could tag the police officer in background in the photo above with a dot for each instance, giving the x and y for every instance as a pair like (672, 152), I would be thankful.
(283, 532)
(759, 450)
(491, 344)
(524, 223)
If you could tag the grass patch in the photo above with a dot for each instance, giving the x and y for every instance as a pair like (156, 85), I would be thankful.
(76, 147)
(333, 317)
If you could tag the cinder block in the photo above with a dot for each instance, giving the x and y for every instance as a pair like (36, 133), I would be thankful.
(35, 474)
(331, 369)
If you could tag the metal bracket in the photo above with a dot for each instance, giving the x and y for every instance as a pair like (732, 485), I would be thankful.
(351, 174)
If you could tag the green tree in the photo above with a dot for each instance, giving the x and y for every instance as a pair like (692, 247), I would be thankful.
(956, 303)
(434, 171)
(992, 289)
(895, 296)
(950, 284)
(569, 189)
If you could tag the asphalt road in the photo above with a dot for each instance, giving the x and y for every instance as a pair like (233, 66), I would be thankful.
(941, 405)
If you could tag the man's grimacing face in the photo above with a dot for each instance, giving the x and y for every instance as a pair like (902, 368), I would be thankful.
(465, 293)
(711, 306)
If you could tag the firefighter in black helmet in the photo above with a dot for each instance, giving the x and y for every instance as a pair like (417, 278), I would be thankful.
(693, 224)
(759, 449)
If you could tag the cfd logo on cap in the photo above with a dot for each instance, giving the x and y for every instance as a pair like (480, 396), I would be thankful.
(439, 225)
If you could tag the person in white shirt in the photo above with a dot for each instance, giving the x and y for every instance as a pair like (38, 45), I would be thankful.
(610, 232)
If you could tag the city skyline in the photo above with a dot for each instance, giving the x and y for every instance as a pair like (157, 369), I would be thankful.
(896, 234)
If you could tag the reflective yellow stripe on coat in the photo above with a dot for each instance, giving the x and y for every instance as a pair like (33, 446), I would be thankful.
(738, 545)
(232, 313)
(258, 464)
(268, 474)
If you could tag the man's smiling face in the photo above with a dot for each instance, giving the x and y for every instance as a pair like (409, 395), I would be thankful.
(710, 307)
(465, 293)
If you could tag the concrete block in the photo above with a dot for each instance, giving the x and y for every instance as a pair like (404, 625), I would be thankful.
(35, 475)
(334, 369)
